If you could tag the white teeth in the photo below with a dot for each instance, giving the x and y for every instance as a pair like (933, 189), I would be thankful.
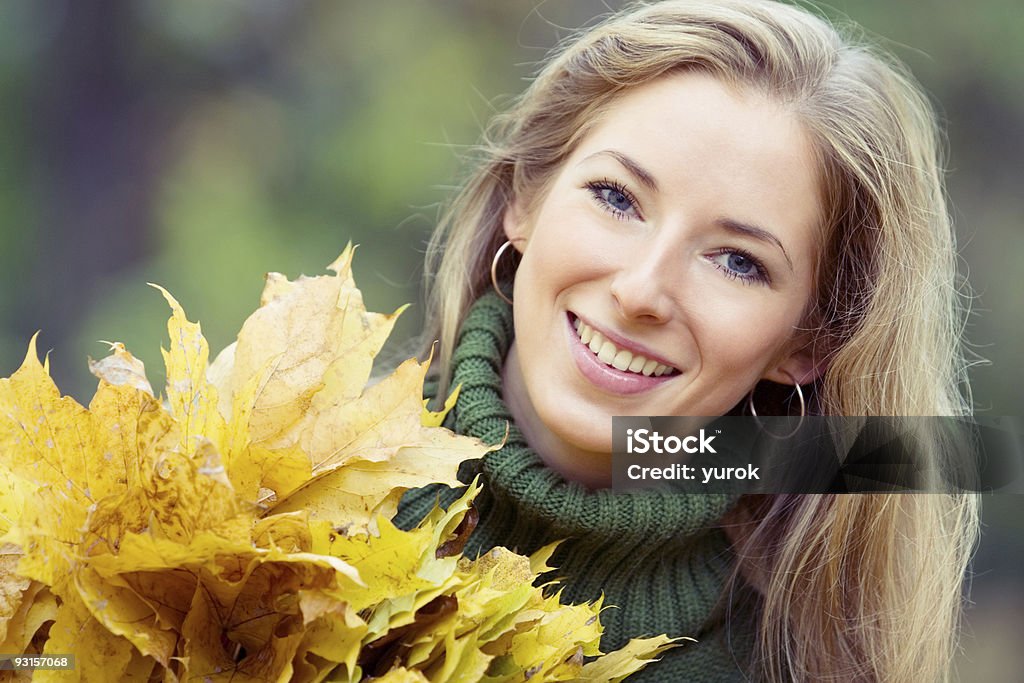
(607, 353)
(620, 359)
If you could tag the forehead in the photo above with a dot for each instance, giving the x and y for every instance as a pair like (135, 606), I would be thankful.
(715, 147)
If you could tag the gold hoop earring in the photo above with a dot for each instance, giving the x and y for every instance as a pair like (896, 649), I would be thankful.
(494, 270)
(803, 409)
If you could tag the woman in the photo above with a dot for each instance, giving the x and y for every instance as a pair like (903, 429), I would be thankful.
(711, 203)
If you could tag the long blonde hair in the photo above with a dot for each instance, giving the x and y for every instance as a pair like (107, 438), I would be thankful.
(854, 587)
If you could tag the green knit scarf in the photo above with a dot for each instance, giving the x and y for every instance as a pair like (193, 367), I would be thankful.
(658, 558)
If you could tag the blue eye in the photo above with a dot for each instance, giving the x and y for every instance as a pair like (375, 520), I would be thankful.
(615, 198)
(740, 265)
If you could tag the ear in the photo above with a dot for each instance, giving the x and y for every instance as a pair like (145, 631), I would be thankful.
(517, 225)
(800, 367)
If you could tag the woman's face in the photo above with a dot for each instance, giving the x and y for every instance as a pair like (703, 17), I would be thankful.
(666, 268)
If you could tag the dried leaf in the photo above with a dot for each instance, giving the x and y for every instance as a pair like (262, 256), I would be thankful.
(306, 333)
(436, 419)
(12, 587)
(121, 368)
(636, 654)
(99, 655)
(192, 399)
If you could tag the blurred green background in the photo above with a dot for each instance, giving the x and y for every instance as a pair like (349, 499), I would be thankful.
(200, 144)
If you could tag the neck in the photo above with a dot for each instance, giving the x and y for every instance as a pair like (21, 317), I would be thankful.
(592, 469)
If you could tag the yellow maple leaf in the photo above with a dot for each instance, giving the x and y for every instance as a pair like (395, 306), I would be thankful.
(99, 655)
(632, 657)
(402, 675)
(12, 587)
(26, 607)
(121, 368)
(48, 441)
(192, 399)
(305, 333)
(436, 419)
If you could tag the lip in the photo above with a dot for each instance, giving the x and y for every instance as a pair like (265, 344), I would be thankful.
(606, 377)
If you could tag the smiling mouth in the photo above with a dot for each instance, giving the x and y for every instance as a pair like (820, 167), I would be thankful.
(620, 359)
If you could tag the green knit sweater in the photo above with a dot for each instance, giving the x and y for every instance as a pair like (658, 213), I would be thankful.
(658, 558)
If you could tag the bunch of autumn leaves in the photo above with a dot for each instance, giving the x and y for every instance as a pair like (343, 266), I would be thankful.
(238, 528)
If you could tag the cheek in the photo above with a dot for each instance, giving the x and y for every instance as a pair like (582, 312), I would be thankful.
(565, 250)
(746, 332)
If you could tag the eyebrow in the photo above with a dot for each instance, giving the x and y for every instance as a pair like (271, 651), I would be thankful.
(638, 171)
(646, 179)
(755, 232)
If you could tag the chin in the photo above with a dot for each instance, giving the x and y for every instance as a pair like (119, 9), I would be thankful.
(590, 436)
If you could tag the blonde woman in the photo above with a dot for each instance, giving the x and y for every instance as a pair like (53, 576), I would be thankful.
(693, 205)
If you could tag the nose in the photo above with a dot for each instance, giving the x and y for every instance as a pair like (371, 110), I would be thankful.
(642, 287)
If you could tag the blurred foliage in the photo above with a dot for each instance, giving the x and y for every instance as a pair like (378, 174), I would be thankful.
(200, 144)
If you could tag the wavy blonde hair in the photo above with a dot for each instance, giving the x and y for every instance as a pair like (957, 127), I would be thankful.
(852, 587)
